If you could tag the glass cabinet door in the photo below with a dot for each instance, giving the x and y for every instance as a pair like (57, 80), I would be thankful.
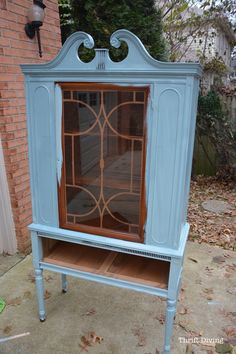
(103, 140)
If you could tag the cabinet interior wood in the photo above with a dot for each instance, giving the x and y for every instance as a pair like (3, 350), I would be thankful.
(138, 269)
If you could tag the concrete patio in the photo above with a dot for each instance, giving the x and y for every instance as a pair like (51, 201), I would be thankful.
(102, 319)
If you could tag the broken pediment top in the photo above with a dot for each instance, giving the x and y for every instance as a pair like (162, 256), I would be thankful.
(138, 59)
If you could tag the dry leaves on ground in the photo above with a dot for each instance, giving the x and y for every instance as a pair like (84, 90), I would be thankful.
(230, 332)
(187, 328)
(209, 227)
(161, 318)
(14, 301)
(183, 310)
(7, 329)
(27, 295)
(31, 277)
(139, 333)
(218, 259)
(232, 290)
(48, 278)
(229, 315)
(181, 295)
(90, 339)
(90, 312)
(47, 294)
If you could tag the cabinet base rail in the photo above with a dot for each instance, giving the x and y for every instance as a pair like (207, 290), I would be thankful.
(151, 276)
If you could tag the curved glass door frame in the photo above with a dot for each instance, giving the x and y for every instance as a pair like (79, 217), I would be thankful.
(102, 189)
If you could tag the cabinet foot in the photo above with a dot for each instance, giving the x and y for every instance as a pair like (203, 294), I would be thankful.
(40, 293)
(64, 283)
(170, 314)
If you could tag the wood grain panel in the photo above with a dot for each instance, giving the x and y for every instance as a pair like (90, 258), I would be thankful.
(113, 264)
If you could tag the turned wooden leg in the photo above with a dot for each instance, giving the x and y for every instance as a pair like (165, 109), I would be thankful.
(170, 314)
(40, 293)
(64, 283)
(173, 290)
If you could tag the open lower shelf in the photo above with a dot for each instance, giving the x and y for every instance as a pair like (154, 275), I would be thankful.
(137, 269)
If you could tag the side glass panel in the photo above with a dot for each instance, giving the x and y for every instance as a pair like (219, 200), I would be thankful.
(102, 187)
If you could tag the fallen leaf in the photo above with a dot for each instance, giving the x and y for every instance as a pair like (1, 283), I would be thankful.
(161, 318)
(183, 310)
(225, 239)
(90, 339)
(209, 270)
(96, 339)
(84, 343)
(139, 333)
(15, 301)
(181, 294)
(231, 268)
(230, 332)
(48, 278)
(225, 313)
(31, 277)
(27, 295)
(227, 275)
(188, 330)
(232, 290)
(142, 342)
(208, 291)
(193, 259)
(183, 326)
(7, 329)
(90, 312)
(227, 231)
(209, 297)
(47, 294)
(218, 259)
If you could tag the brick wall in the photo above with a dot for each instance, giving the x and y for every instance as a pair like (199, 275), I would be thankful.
(16, 48)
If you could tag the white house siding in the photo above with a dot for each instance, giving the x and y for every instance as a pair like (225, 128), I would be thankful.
(223, 48)
(196, 47)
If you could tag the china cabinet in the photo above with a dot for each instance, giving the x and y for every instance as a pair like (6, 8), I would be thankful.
(110, 150)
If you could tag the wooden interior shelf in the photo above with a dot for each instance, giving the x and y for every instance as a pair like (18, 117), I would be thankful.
(138, 269)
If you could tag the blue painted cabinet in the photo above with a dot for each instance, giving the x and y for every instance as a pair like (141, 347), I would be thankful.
(110, 149)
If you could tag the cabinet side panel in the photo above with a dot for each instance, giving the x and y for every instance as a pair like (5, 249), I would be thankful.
(167, 147)
(43, 154)
(192, 109)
